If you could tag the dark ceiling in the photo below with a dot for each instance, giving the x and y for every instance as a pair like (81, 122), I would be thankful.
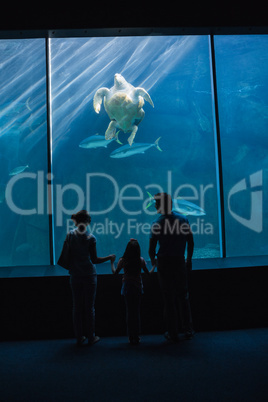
(132, 13)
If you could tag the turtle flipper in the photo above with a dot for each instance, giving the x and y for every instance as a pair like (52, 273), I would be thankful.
(145, 95)
(132, 135)
(111, 130)
(98, 98)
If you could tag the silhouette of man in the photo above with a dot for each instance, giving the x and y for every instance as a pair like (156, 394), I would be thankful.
(172, 232)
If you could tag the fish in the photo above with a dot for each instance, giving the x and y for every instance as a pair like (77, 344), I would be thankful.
(182, 206)
(18, 170)
(136, 148)
(98, 141)
(24, 248)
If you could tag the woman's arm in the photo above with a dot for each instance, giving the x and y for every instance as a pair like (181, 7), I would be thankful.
(99, 260)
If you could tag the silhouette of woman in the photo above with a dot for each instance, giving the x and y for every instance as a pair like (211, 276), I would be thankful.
(83, 277)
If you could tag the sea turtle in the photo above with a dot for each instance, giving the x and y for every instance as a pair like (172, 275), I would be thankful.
(123, 104)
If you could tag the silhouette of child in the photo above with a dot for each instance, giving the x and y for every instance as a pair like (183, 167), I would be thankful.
(132, 287)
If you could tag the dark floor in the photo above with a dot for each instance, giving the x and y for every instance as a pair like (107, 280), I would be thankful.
(214, 366)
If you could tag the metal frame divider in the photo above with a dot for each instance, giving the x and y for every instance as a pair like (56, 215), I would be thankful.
(218, 152)
(49, 157)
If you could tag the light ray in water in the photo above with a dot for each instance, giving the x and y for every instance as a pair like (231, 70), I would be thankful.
(168, 59)
(25, 81)
(24, 113)
(89, 64)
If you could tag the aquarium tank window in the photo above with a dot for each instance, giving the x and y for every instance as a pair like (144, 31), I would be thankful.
(242, 82)
(173, 149)
(24, 235)
(104, 123)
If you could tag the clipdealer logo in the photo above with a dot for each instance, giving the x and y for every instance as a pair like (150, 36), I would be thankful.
(255, 222)
(251, 187)
(131, 199)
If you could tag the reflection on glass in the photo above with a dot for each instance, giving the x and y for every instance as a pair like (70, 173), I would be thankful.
(24, 236)
(242, 80)
(112, 153)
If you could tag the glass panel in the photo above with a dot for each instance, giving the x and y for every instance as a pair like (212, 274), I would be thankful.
(242, 80)
(24, 238)
(173, 149)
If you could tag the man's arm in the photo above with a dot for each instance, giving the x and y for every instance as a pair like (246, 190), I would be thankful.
(152, 248)
(190, 249)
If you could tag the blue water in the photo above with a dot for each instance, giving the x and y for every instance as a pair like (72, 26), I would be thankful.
(176, 73)
(23, 141)
(242, 77)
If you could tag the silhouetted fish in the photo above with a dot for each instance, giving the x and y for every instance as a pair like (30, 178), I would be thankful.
(97, 141)
(129, 150)
(18, 170)
(182, 206)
